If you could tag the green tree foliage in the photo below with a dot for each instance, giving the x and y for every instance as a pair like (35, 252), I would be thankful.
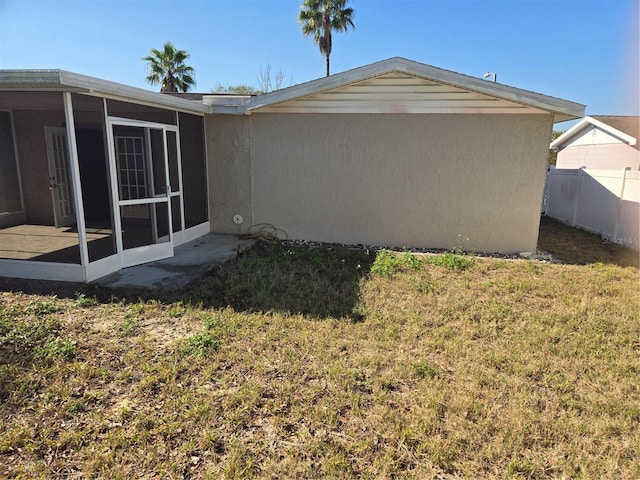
(167, 68)
(320, 17)
(553, 154)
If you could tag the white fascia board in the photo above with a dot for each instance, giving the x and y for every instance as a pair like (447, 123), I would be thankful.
(229, 110)
(227, 104)
(586, 121)
(561, 109)
(30, 80)
(226, 99)
(60, 80)
(569, 133)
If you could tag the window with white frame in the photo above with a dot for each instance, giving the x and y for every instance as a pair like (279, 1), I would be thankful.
(132, 173)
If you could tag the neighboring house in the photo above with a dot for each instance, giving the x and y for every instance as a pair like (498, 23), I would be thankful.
(590, 186)
(97, 176)
(603, 142)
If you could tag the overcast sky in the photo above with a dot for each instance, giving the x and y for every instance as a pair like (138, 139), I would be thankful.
(580, 50)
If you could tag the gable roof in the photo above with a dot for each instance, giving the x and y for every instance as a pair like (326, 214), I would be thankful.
(398, 85)
(63, 81)
(625, 128)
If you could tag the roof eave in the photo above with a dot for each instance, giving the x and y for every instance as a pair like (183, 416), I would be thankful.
(227, 104)
(31, 80)
(562, 110)
(61, 80)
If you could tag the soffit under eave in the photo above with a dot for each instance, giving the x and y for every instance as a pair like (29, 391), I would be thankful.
(562, 117)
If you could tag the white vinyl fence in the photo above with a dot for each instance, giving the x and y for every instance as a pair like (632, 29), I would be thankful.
(600, 201)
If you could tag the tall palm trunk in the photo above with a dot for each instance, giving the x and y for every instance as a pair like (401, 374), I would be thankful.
(327, 41)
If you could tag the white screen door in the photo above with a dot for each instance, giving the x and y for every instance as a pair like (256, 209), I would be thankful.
(60, 176)
(142, 191)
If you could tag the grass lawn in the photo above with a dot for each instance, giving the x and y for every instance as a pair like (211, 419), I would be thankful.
(295, 362)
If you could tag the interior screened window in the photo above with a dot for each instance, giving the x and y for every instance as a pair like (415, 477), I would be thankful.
(132, 173)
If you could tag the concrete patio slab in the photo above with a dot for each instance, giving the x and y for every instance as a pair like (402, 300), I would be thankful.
(190, 261)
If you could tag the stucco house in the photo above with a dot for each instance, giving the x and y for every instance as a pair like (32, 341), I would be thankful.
(605, 142)
(97, 176)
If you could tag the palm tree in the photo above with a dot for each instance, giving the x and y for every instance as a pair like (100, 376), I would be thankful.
(320, 17)
(167, 68)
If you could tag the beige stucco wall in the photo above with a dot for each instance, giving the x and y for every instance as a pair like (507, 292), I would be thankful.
(614, 156)
(392, 180)
(228, 139)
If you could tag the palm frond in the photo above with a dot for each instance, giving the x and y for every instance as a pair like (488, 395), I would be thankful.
(167, 68)
(320, 17)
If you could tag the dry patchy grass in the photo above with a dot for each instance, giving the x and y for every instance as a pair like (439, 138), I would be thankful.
(330, 363)
(578, 247)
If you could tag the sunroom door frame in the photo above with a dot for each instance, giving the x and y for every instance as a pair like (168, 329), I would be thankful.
(156, 251)
(60, 180)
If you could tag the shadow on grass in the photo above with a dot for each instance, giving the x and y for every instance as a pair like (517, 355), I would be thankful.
(320, 282)
(578, 247)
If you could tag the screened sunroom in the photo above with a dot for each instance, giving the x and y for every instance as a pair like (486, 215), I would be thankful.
(95, 176)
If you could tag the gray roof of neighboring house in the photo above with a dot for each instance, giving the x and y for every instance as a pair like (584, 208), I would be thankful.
(627, 124)
(561, 109)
